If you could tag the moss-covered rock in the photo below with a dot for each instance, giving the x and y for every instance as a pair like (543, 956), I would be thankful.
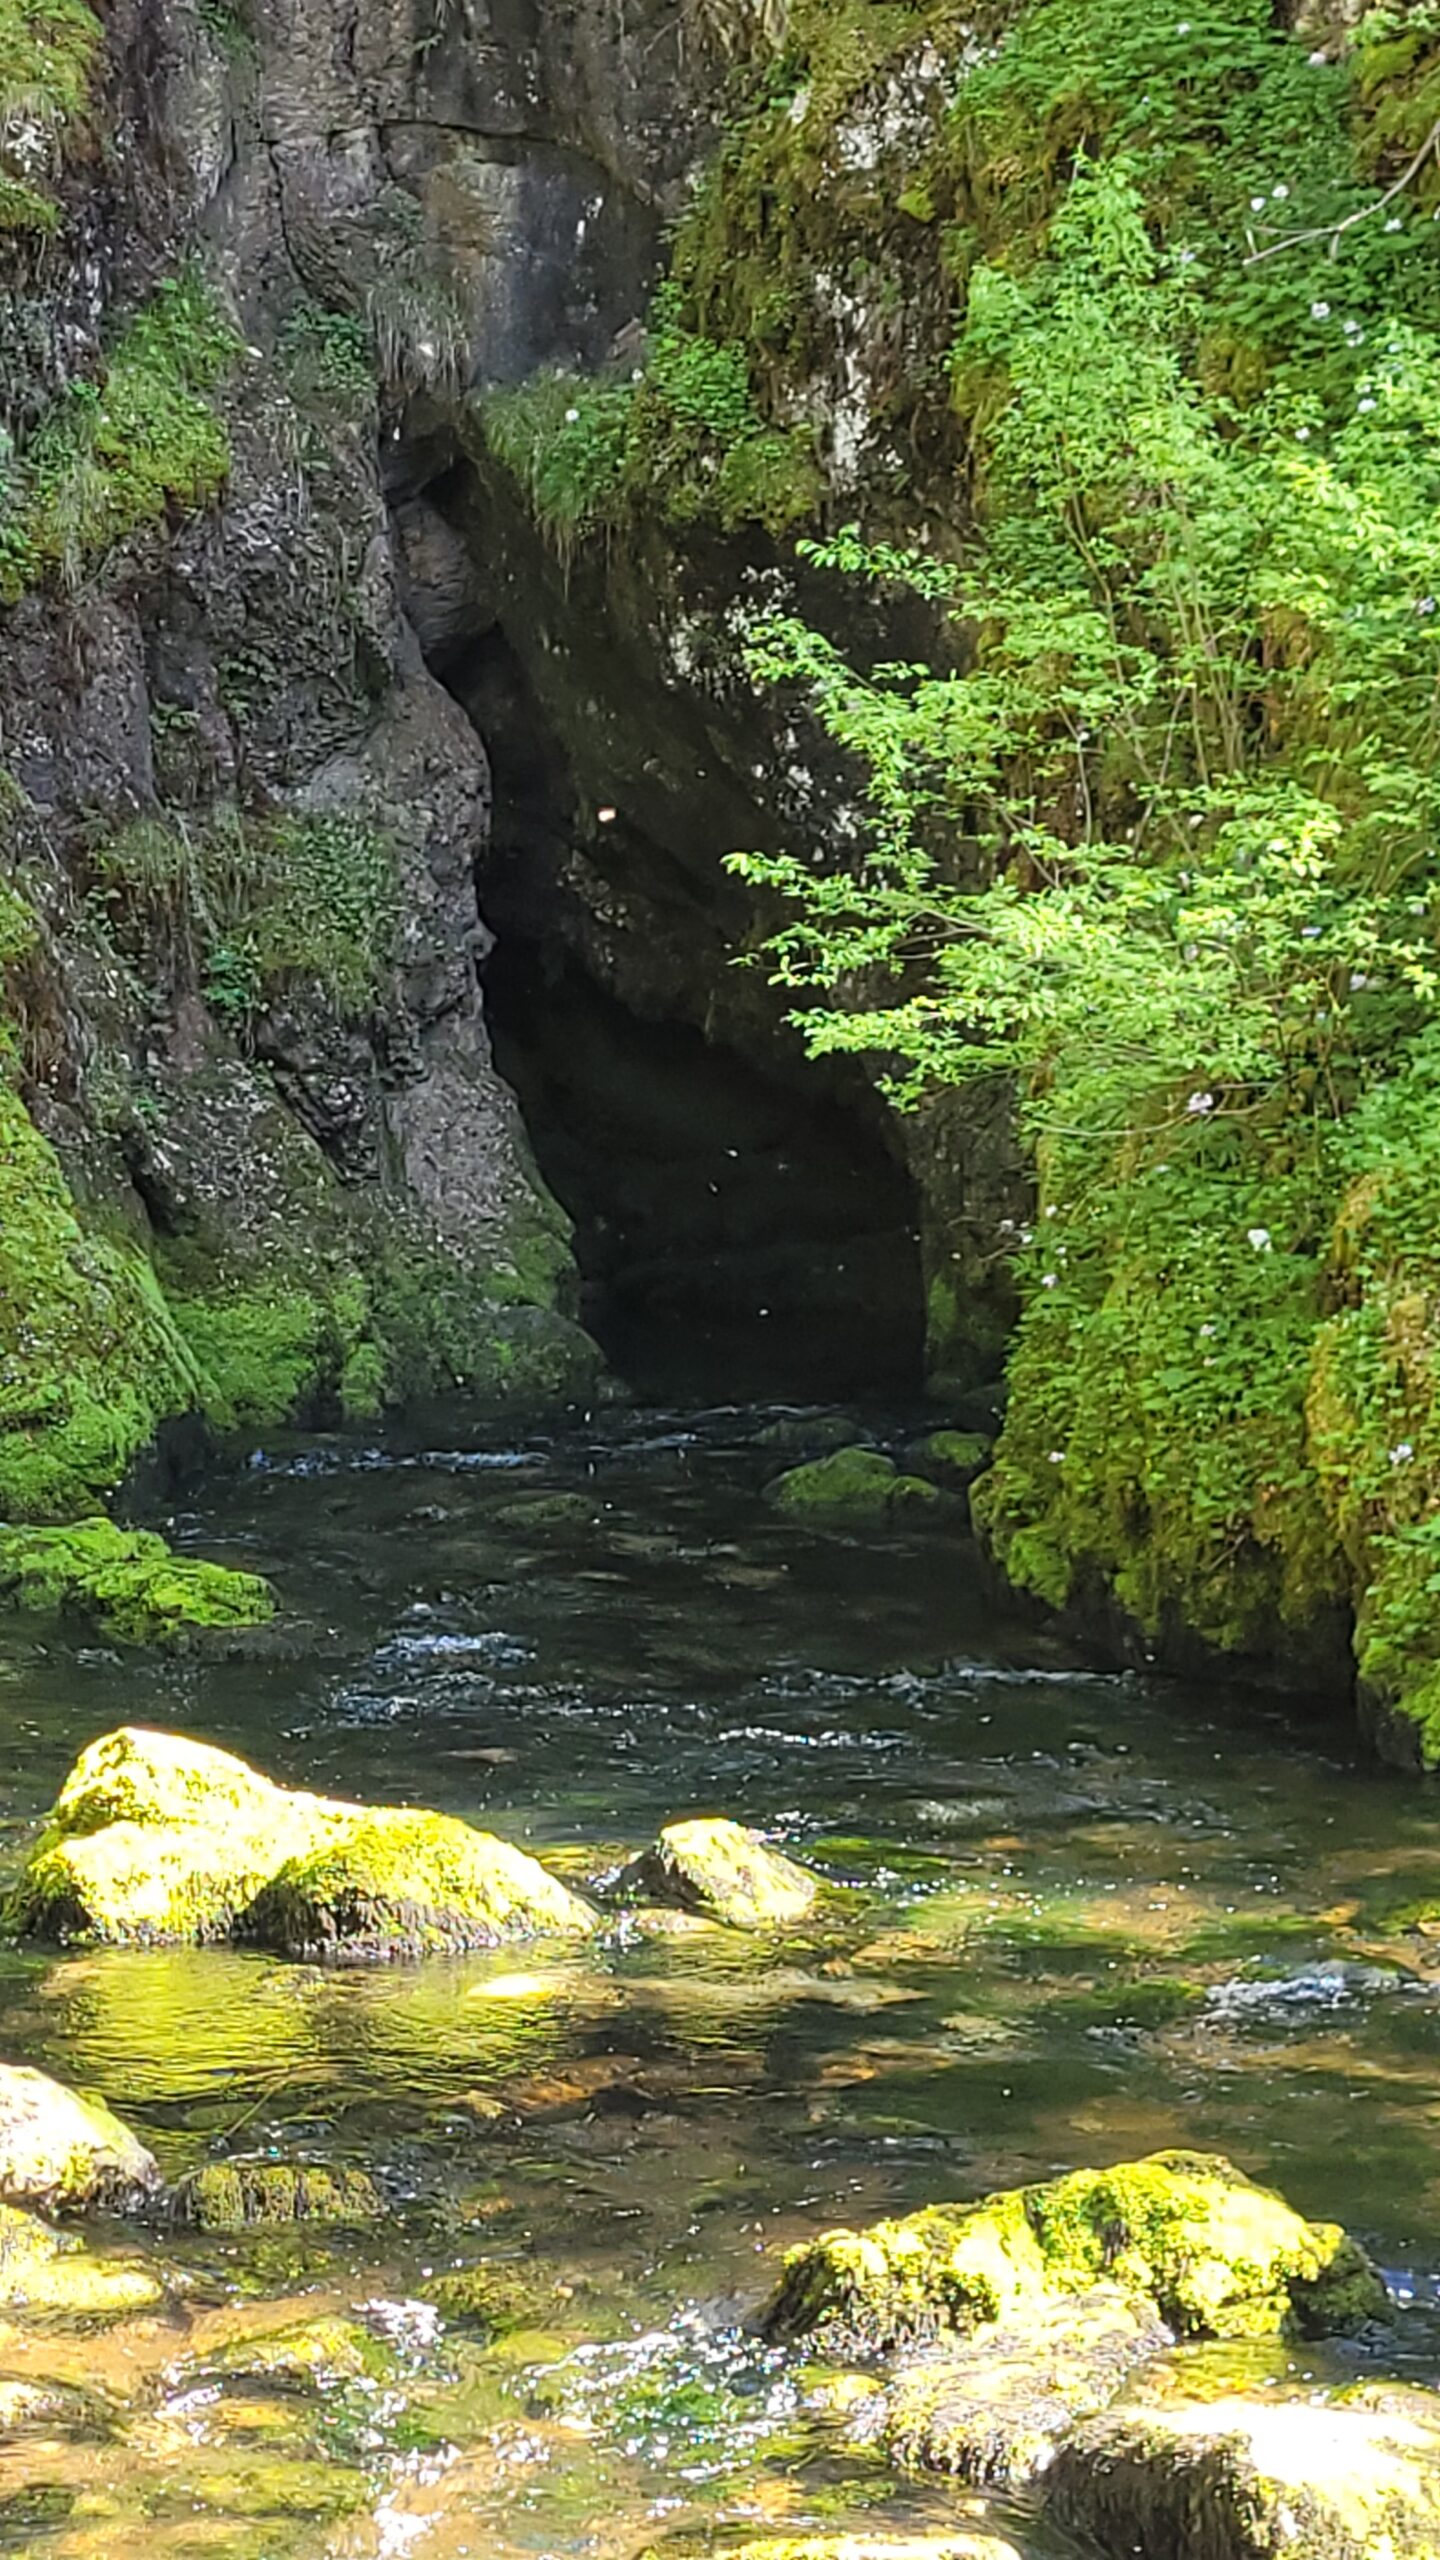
(243, 2195)
(492, 2299)
(321, 2352)
(154, 1837)
(128, 1582)
(51, 2271)
(59, 2150)
(1238, 2480)
(721, 1871)
(855, 1483)
(995, 2411)
(954, 1458)
(1182, 2231)
(868, 2546)
(395, 1883)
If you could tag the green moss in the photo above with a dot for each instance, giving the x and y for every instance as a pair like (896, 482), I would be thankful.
(854, 1483)
(320, 2352)
(90, 1358)
(492, 2299)
(242, 2195)
(724, 1872)
(1215, 2256)
(127, 1581)
(112, 457)
(395, 1883)
(62, 2152)
(49, 50)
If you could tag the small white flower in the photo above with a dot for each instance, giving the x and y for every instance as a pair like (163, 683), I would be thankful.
(1309, 933)
(1049, 1279)
(1358, 979)
(1280, 194)
(1259, 1237)
(1426, 605)
(1401, 1453)
(1184, 27)
(1302, 435)
(1366, 406)
(1201, 1102)
(1257, 204)
(1207, 1333)
(572, 417)
(1319, 310)
(1319, 60)
(1395, 223)
(1057, 1457)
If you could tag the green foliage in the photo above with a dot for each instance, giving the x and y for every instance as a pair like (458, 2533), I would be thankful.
(1163, 851)
(327, 360)
(48, 55)
(684, 434)
(253, 905)
(113, 456)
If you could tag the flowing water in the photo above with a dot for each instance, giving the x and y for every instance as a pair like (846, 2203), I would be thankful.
(1091, 1914)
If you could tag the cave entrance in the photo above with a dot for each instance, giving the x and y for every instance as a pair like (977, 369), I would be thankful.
(736, 1238)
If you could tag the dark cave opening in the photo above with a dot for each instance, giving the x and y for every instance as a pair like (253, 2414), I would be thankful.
(736, 1238)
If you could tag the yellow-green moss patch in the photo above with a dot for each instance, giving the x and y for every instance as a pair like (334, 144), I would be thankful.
(128, 1581)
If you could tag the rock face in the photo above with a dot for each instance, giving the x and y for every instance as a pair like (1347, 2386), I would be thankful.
(156, 1838)
(1183, 2234)
(724, 1872)
(61, 2151)
(1234, 2480)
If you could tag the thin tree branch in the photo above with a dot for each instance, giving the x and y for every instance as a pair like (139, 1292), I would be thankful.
(1333, 231)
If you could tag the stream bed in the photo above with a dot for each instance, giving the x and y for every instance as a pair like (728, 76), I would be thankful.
(1093, 1914)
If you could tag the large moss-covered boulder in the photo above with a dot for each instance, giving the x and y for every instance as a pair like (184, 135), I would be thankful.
(993, 2410)
(245, 2195)
(126, 1582)
(851, 1484)
(1241, 2480)
(869, 2546)
(60, 2151)
(1183, 2232)
(395, 1883)
(154, 1837)
(724, 1872)
(52, 2271)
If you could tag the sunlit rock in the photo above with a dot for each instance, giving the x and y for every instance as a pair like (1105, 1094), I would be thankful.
(723, 1872)
(155, 1838)
(401, 1884)
(52, 2271)
(994, 2410)
(60, 2151)
(1237, 2480)
(1183, 2232)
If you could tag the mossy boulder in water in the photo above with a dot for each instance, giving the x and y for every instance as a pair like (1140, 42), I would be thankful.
(59, 2150)
(127, 1582)
(993, 2411)
(51, 2271)
(724, 1872)
(154, 1837)
(1241, 2480)
(870, 2546)
(1183, 2231)
(243, 2195)
(394, 1883)
(855, 1484)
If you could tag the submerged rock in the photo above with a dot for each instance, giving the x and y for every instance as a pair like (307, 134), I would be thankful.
(721, 1871)
(867, 2546)
(53, 2271)
(156, 1838)
(994, 2411)
(240, 2195)
(62, 2151)
(403, 1884)
(492, 2299)
(1242, 2480)
(854, 1483)
(1184, 2232)
(322, 2351)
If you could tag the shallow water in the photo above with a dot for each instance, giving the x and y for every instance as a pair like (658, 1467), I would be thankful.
(1093, 1913)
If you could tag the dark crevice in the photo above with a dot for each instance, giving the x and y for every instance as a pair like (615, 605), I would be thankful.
(735, 1237)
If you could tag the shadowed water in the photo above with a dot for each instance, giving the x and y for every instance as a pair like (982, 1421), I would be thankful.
(1091, 1914)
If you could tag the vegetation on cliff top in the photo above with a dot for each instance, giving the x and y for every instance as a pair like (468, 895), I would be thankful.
(48, 55)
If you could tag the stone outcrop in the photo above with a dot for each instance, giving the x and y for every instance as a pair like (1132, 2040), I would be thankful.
(62, 2152)
(723, 1872)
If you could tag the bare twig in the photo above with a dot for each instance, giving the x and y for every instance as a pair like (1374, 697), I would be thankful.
(1333, 231)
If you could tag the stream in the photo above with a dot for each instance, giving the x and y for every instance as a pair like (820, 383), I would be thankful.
(1093, 1914)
